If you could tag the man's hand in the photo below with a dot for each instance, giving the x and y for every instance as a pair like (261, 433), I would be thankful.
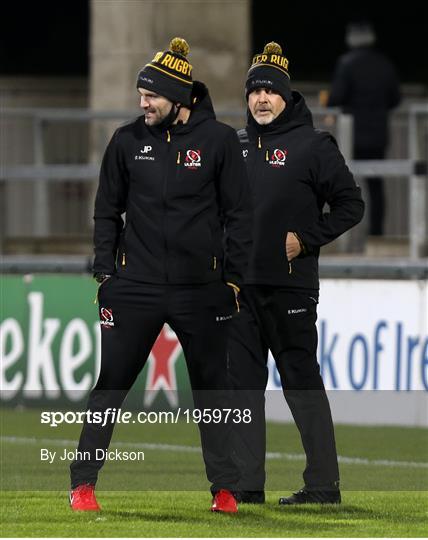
(100, 277)
(292, 246)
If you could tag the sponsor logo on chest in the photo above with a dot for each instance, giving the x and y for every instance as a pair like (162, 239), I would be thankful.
(145, 154)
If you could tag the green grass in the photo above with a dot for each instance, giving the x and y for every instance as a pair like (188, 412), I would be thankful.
(185, 514)
(387, 498)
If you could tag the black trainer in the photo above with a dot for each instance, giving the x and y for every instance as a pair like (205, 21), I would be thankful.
(309, 496)
(251, 497)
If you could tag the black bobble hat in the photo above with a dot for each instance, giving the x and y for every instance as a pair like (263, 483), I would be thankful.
(169, 74)
(269, 69)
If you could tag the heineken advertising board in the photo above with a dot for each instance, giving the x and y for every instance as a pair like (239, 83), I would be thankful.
(373, 336)
(51, 341)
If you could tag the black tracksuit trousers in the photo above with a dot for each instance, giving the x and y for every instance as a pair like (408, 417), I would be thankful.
(282, 320)
(200, 315)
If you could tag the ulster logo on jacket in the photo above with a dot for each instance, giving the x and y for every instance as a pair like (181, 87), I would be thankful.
(278, 157)
(192, 160)
(106, 317)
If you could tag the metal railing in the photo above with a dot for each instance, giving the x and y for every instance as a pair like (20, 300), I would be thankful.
(43, 149)
(330, 267)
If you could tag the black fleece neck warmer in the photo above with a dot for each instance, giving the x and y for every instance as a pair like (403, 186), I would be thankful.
(281, 119)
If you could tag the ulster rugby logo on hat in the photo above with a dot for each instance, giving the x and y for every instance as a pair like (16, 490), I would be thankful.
(169, 74)
(271, 56)
(269, 69)
(174, 62)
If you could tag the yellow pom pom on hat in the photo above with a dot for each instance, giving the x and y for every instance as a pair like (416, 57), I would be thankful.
(179, 46)
(271, 56)
(269, 69)
(169, 73)
(272, 48)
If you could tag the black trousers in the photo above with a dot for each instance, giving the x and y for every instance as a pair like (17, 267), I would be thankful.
(376, 191)
(200, 315)
(283, 321)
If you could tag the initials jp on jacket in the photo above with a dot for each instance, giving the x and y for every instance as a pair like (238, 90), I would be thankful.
(294, 170)
(186, 197)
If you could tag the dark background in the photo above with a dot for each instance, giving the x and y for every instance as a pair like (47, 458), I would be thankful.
(312, 34)
(51, 37)
(44, 37)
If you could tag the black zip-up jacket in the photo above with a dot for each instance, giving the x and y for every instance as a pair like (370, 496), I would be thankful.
(186, 197)
(294, 170)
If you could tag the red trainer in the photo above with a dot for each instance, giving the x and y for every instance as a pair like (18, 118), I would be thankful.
(83, 499)
(224, 501)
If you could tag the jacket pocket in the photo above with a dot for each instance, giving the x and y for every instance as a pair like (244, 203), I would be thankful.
(284, 247)
(215, 252)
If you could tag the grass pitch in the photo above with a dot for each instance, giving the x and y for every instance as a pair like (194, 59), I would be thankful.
(384, 479)
(185, 514)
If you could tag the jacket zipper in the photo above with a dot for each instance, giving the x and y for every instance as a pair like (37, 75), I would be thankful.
(123, 261)
(259, 145)
(164, 191)
(257, 160)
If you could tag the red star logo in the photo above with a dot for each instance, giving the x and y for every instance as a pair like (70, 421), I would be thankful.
(161, 370)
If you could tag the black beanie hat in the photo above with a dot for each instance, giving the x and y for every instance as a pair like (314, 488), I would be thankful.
(269, 70)
(169, 74)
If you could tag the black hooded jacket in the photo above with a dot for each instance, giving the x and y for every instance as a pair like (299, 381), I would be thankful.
(294, 170)
(186, 197)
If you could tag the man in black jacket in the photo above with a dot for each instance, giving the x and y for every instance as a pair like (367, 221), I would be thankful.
(179, 176)
(293, 170)
(365, 85)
